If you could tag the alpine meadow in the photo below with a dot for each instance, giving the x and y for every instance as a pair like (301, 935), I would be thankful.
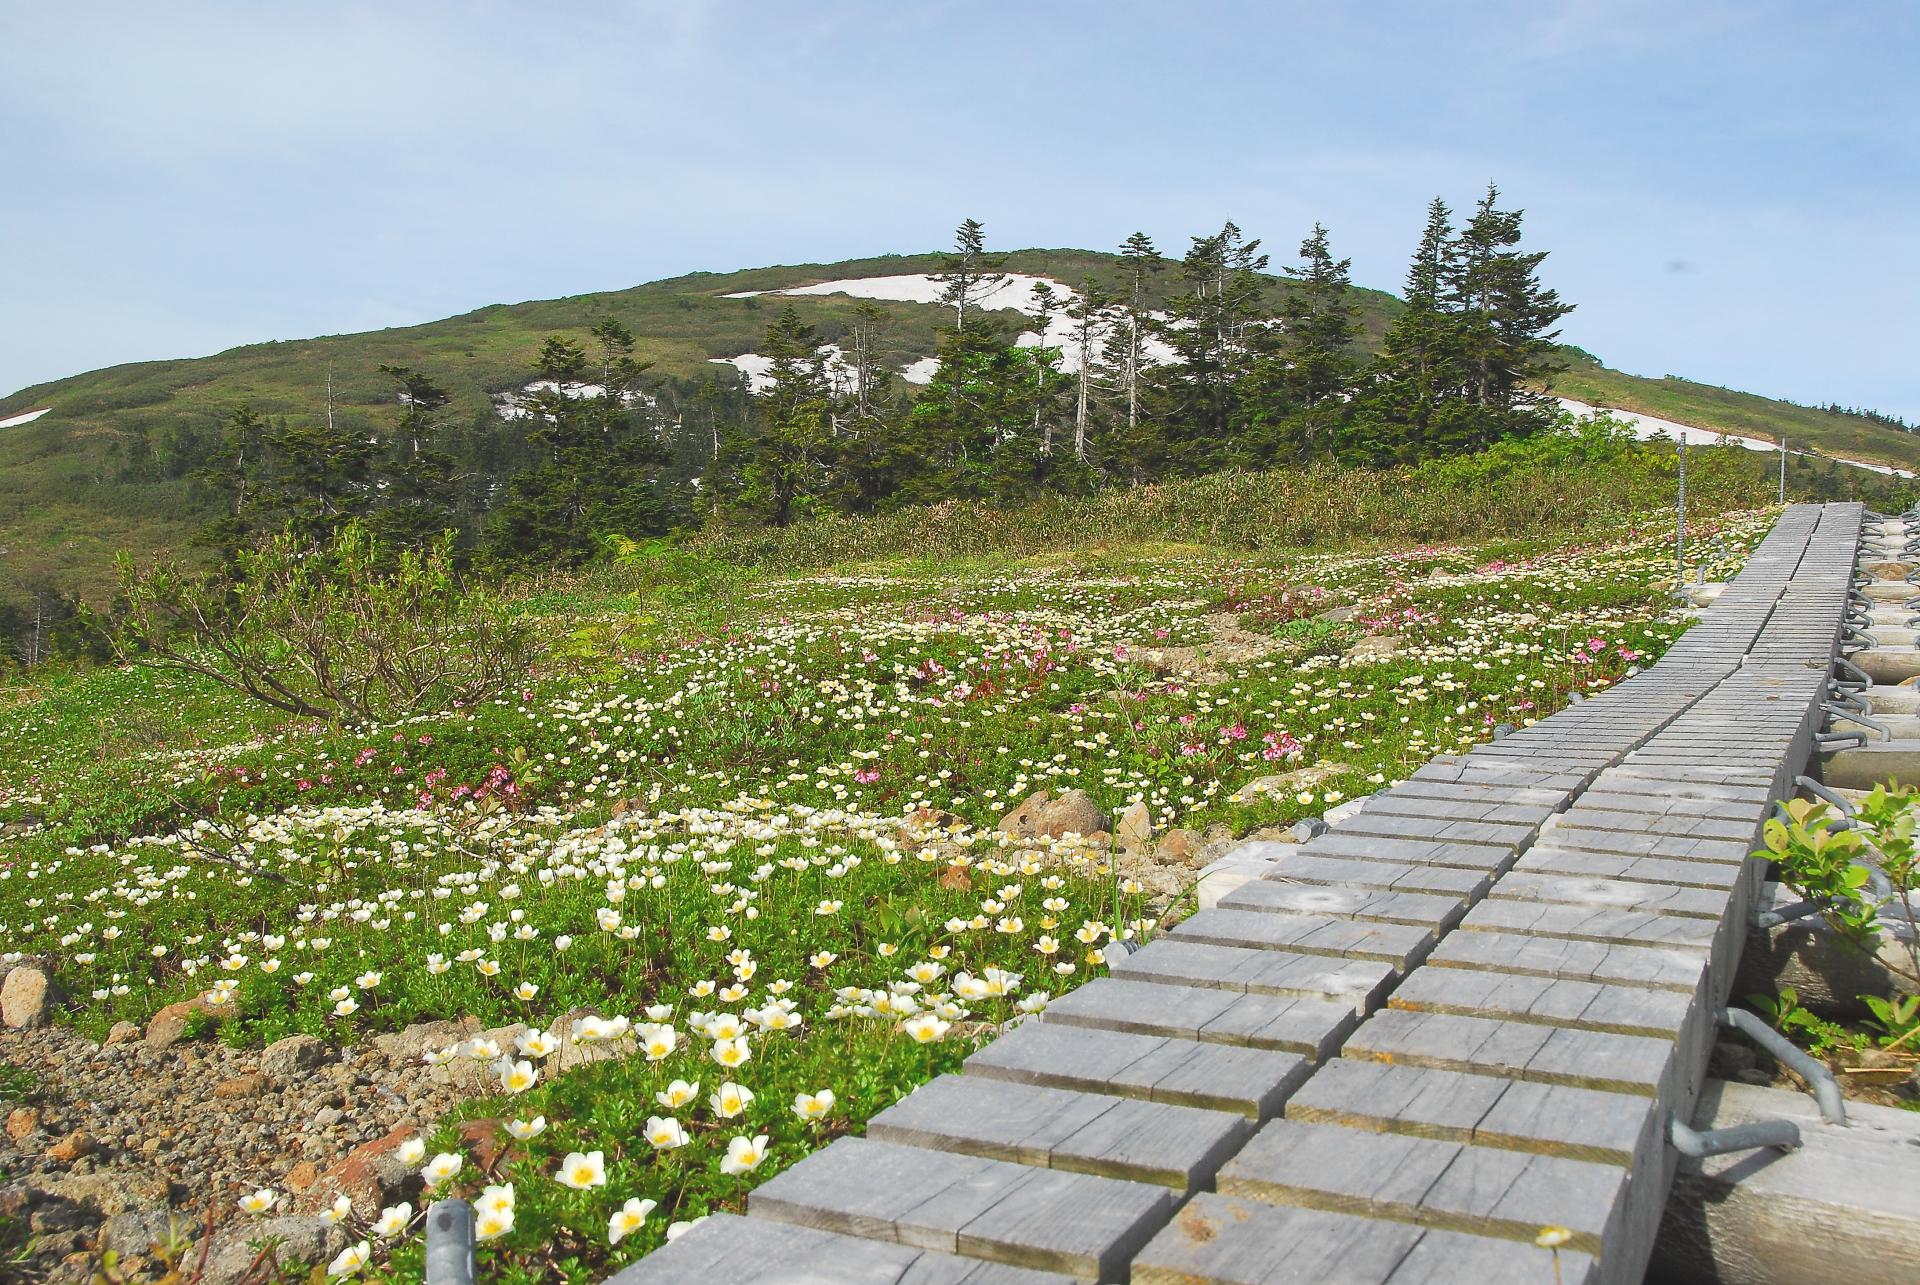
(1166, 762)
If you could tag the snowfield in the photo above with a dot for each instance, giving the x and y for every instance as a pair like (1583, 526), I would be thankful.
(1650, 426)
(24, 417)
(1016, 292)
(513, 405)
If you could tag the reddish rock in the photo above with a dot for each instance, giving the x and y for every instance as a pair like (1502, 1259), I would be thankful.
(302, 1176)
(371, 1175)
(484, 1140)
(22, 1121)
(71, 1147)
(955, 877)
(123, 1032)
(1179, 845)
(169, 1025)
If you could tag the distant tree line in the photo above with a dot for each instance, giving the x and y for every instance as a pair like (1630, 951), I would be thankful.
(1163, 368)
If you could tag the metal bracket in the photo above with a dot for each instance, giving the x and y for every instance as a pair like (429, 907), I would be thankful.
(1820, 791)
(1820, 1081)
(1699, 1144)
(1840, 711)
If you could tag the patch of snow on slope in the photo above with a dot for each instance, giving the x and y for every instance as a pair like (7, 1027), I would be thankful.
(920, 287)
(1645, 427)
(922, 371)
(758, 368)
(514, 405)
(24, 417)
(1015, 292)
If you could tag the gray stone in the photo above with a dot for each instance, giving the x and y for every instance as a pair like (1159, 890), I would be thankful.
(285, 1060)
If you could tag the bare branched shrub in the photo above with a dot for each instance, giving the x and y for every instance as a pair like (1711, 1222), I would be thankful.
(346, 629)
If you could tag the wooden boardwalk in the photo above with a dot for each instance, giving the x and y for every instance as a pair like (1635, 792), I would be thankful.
(1466, 1013)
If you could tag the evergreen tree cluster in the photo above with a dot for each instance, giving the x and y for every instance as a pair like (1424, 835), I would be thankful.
(1159, 369)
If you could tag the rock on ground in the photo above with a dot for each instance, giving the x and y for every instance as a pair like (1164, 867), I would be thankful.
(1044, 816)
(27, 997)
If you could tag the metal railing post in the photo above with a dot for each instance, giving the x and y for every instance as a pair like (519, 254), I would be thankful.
(450, 1243)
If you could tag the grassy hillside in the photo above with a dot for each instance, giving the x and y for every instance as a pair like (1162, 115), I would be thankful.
(62, 514)
(1709, 406)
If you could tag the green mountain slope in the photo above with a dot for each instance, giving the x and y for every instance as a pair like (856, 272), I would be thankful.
(63, 513)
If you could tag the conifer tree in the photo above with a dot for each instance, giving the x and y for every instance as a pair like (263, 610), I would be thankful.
(1042, 311)
(1140, 262)
(1418, 372)
(968, 273)
(417, 493)
(1505, 321)
(1218, 334)
(1320, 323)
(1091, 328)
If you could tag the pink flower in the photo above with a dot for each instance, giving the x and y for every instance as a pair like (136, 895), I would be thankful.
(867, 775)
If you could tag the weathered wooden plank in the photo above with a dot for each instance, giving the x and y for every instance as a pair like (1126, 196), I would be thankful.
(1583, 1005)
(1483, 1190)
(1235, 1241)
(1551, 1119)
(1387, 876)
(1401, 945)
(1312, 1028)
(1150, 1142)
(1546, 859)
(1591, 923)
(1424, 829)
(1666, 967)
(1413, 852)
(1424, 909)
(758, 1251)
(1621, 894)
(1219, 1077)
(1519, 1050)
(1361, 983)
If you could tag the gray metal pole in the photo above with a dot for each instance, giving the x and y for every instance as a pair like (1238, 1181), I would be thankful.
(450, 1243)
(1680, 518)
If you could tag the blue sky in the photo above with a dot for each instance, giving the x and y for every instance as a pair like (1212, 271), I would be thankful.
(1730, 191)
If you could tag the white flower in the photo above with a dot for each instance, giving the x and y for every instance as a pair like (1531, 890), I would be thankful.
(412, 1151)
(351, 1260)
(583, 1172)
(677, 1094)
(744, 1154)
(440, 1168)
(495, 1199)
(665, 1133)
(628, 1218)
(657, 1041)
(536, 1043)
(259, 1202)
(492, 1224)
(516, 1077)
(393, 1221)
(338, 1210)
(732, 1053)
(676, 1230)
(730, 1100)
(926, 1028)
(526, 1130)
(813, 1106)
